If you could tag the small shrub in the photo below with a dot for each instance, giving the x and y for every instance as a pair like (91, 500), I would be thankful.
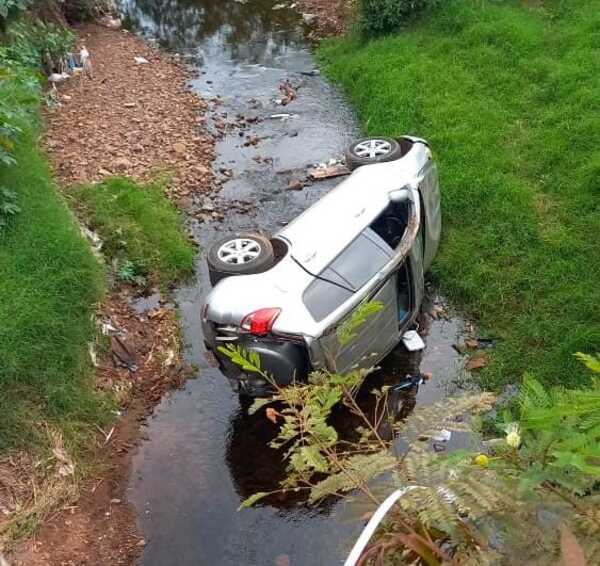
(36, 45)
(9, 8)
(8, 207)
(378, 17)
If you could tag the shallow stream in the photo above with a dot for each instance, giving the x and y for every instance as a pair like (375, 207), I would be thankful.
(203, 456)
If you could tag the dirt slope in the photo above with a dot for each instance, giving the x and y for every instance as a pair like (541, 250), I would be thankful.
(137, 120)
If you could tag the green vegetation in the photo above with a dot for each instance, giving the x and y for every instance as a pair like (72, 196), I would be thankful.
(140, 228)
(540, 470)
(384, 16)
(50, 281)
(508, 94)
(49, 284)
(10, 8)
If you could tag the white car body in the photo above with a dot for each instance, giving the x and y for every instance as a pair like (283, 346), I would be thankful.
(341, 252)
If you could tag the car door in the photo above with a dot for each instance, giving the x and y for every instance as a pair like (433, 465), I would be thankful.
(353, 268)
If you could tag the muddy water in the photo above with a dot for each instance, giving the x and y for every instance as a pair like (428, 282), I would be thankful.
(203, 456)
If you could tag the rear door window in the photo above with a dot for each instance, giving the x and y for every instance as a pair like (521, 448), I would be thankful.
(346, 274)
(322, 298)
(362, 259)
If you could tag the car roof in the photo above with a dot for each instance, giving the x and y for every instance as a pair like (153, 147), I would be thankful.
(321, 232)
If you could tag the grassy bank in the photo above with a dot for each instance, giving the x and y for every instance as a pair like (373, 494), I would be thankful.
(141, 230)
(49, 284)
(509, 97)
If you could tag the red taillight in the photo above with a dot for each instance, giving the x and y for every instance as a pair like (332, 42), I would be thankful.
(261, 321)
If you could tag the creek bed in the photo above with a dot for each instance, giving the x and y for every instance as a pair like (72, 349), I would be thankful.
(203, 456)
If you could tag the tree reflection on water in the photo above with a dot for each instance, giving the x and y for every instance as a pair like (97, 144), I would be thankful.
(251, 32)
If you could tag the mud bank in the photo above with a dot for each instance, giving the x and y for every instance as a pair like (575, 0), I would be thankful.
(204, 455)
(139, 119)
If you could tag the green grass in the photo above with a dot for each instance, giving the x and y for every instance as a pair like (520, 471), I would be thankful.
(140, 228)
(49, 283)
(508, 94)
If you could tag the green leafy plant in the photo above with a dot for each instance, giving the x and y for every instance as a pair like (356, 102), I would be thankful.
(9, 8)
(131, 272)
(541, 473)
(8, 207)
(28, 49)
(378, 17)
(8, 136)
(36, 45)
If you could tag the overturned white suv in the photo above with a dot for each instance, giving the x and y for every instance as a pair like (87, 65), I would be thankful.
(371, 238)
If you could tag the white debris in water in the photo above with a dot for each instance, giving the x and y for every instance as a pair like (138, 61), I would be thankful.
(282, 116)
(442, 435)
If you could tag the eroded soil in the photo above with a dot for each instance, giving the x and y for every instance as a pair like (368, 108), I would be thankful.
(138, 120)
(333, 17)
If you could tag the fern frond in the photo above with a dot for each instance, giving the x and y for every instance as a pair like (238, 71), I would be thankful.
(447, 414)
(591, 362)
(359, 470)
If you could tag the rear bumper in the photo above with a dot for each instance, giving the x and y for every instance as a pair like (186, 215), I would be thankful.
(283, 362)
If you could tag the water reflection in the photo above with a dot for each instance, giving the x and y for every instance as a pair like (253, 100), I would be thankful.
(249, 32)
(204, 456)
(256, 467)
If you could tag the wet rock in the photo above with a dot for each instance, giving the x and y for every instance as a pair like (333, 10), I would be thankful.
(295, 185)
(309, 19)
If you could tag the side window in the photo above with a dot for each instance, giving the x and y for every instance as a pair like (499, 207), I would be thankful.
(346, 274)
(322, 298)
(362, 259)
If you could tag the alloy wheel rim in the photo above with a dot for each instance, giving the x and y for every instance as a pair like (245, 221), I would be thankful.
(239, 251)
(371, 149)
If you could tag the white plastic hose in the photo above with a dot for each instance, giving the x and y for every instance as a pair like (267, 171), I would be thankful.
(373, 523)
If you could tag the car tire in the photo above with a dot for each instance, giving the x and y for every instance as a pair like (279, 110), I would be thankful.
(226, 257)
(367, 151)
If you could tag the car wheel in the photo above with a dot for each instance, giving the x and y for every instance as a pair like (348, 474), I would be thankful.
(372, 150)
(239, 254)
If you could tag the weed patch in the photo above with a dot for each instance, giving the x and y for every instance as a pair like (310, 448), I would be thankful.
(142, 231)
